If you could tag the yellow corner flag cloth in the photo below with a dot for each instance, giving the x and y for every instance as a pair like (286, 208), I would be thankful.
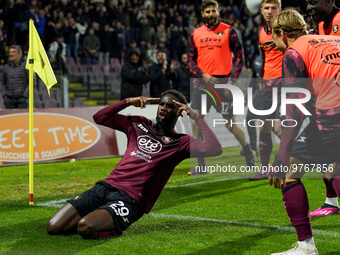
(41, 64)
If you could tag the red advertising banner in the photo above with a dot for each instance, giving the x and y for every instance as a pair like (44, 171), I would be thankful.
(59, 134)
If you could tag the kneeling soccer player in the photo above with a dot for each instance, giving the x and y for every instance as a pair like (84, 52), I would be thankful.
(132, 188)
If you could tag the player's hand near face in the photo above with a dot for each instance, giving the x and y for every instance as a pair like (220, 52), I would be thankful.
(142, 101)
(183, 107)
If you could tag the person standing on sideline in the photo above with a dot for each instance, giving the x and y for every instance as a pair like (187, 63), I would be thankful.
(271, 78)
(133, 75)
(134, 185)
(327, 15)
(216, 56)
(15, 85)
(308, 65)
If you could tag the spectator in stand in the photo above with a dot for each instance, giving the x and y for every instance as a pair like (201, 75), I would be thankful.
(101, 17)
(53, 30)
(119, 35)
(15, 80)
(133, 75)
(105, 36)
(134, 25)
(131, 45)
(82, 16)
(151, 53)
(40, 24)
(159, 75)
(3, 38)
(91, 46)
(82, 29)
(57, 54)
(144, 28)
(175, 42)
(18, 18)
(70, 33)
(249, 54)
(181, 76)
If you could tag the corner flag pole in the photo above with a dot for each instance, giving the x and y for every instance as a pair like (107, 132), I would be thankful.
(30, 107)
(37, 61)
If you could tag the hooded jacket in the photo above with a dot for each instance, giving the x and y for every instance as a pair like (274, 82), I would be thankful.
(133, 77)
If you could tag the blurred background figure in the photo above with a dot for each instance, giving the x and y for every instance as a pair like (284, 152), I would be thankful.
(133, 75)
(15, 80)
(180, 76)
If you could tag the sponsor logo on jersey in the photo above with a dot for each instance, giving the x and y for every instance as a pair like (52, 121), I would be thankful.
(331, 55)
(166, 139)
(220, 34)
(148, 144)
(142, 128)
(77, 198)
(335, 29)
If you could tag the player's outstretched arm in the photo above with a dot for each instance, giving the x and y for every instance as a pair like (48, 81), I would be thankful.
(141, 101)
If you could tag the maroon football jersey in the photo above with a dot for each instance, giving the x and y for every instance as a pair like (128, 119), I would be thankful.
(151, 155)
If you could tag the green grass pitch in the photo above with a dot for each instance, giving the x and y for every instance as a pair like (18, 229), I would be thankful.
(216, 214)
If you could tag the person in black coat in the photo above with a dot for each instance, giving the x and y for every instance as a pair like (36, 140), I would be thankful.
(159, 75)
(133, 76)
(181, 77)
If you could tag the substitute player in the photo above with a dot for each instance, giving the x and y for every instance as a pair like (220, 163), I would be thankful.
(327, 15)
(263, 98)
(216, 56)
(317, 146)
(132, 188)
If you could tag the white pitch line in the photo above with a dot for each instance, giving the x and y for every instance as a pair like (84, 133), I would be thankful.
(242, 224)
(52, 203)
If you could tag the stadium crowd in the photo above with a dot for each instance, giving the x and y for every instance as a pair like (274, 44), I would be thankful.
(164, 25)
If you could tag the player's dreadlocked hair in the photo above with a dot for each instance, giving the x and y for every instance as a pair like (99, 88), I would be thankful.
(176, 93)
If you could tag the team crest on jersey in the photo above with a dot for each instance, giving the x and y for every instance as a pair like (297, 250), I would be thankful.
(166, 139)
(335, 29)
(220, 34)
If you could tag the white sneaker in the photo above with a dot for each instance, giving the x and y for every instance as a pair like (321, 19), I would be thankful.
(298, 250)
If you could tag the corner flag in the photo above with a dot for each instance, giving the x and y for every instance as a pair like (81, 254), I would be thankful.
(38, 62)
(41, 64)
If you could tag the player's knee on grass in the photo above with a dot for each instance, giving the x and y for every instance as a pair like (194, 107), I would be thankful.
(86, 229)
(54, 228)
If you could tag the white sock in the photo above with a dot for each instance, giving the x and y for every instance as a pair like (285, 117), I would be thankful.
(333, 201)
(307, 244)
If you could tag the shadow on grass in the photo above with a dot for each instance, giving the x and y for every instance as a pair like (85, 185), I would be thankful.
(216, 238)
(31, 238)
(175, 196)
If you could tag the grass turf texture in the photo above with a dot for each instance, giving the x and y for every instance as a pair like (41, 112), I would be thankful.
(225, 215)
